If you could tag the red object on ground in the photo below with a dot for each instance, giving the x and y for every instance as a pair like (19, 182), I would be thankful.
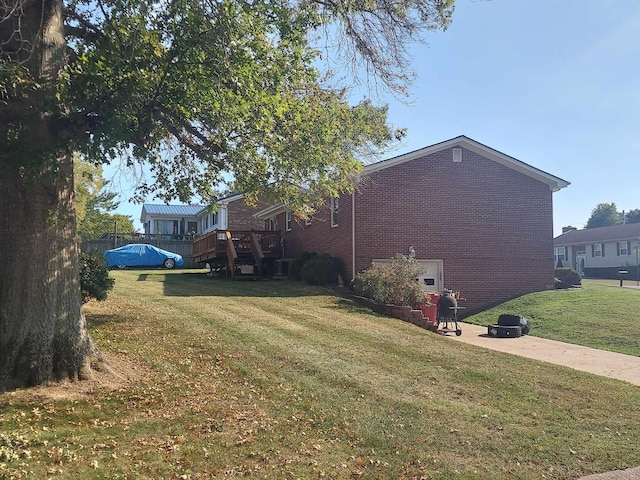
(431, 311)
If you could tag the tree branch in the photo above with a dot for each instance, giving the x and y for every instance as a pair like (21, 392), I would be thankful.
(187, 134)
(88, 29)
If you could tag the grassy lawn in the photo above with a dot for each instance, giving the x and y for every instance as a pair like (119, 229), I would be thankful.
(599, 315)
(279, 380)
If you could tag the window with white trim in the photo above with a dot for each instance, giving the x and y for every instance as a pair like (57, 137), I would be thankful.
(166, 227)
(307, 216)
(270, 224)
(289, 223)
(209, 221)
(560, 254)
(623, 248)
(597, 250)
(335, 208)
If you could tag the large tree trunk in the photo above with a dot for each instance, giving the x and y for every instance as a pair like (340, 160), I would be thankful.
(43, 334)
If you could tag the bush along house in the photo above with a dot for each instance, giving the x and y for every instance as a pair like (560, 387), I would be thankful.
(478, 220)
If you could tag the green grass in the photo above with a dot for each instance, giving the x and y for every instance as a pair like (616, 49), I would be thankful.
(279, 380)
(598, 315)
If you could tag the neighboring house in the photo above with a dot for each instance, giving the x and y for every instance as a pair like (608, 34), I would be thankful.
(173, 220)
(178, 225)
(480, 221)
(232, 214)
(600, 252)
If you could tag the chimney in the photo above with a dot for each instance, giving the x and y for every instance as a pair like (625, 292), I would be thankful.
(568, 229)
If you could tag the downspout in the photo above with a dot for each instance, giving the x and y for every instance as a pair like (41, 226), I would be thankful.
(353, 236)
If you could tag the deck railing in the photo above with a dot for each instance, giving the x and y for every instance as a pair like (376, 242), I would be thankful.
(185, 237)
(215, 244)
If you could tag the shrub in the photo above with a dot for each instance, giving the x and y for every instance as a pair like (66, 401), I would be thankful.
(567, 277)
(338, 264)
(94, 276)
(295, 268)
(320, 270)
(392, 283)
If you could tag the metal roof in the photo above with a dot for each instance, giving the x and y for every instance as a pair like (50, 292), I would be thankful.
(174, 210)
(626, 231)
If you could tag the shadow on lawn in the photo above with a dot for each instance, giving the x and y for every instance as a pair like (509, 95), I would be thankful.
(196, 283)
(351, 306)
(98, 319)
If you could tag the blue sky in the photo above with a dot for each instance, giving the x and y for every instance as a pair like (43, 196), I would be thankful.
(553, 83)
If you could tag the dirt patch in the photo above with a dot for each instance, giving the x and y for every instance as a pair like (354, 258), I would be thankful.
(124, 372)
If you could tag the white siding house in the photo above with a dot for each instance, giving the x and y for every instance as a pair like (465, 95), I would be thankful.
(171, 220)
(176, 220)
(600, 252)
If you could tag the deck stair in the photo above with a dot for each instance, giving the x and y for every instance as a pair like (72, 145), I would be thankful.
(242, 253)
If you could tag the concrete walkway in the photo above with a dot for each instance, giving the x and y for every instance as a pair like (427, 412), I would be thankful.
(599, 362)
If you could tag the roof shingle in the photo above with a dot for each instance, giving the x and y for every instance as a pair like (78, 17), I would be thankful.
(625, 231)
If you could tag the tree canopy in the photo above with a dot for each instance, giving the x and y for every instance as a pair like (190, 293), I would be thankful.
(199, 91)
(607, 214)
(632, 216)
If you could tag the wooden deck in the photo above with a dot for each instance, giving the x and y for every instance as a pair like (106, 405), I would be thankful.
(237, 250)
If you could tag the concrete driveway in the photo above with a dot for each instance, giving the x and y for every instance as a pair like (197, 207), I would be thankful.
(599, 362)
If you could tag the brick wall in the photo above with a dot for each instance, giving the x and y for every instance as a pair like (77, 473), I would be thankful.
(240, 216)
(320, 236)
(491, 226)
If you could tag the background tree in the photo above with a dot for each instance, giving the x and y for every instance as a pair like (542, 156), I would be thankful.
(197, 89)
(97, 223)
(89, 184)
(604, 215)
(633, 216)
(94, 202)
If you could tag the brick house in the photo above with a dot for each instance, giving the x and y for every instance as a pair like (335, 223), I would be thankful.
(480, 221)
(600, 252)
(232, 214)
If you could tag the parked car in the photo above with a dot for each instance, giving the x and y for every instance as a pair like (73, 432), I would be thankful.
(142, 255)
